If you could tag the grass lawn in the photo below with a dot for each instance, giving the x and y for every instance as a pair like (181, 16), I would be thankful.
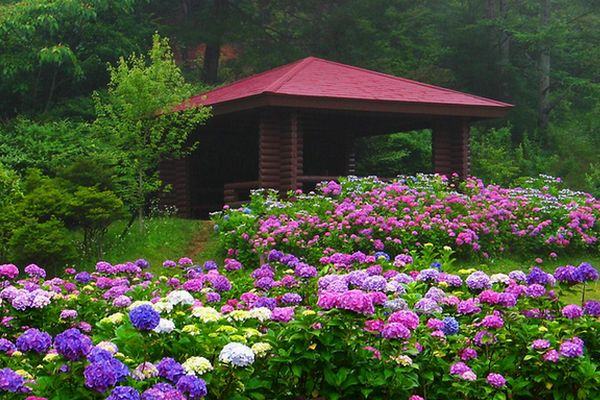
(163, 238)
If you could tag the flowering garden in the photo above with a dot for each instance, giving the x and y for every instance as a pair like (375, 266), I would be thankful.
(355, 291)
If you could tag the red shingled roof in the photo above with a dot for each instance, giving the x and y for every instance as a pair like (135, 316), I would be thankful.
(313, 77)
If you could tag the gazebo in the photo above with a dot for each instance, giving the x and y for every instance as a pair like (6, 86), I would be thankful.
(293, 126)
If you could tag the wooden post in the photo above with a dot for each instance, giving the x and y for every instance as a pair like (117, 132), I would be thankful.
(269, 151)
(451, 147)
(281, 150)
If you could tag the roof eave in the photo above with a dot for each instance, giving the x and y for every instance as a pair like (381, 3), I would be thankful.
(348, 104)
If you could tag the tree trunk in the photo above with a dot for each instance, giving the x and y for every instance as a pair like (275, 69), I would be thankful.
(210, 69)
(141, 200)
(504, 52)
(544, 89)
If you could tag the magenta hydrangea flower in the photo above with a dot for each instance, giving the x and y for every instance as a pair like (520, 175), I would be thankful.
(9, 271)
(496, 380)
(540, 344)
(395, 330)
(407, 318)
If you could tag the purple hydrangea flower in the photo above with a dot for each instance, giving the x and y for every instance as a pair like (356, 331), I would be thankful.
(124, 393)
(537, 275)
(374, 283)
(72, 344)
(210, 265)
(83, 277)
(193, 387)
(10, 381)
(427, 306)
(6, 346)
(291, 298)
(572, 348)
(170, 369)
(450, 327)
(34, 340)
(572, 311)
(592, 307)
(395, 330)
(99, 376)
(34, 271)
(478, 280)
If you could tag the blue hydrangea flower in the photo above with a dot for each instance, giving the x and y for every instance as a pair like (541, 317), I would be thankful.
(451, 326)
(144, 317)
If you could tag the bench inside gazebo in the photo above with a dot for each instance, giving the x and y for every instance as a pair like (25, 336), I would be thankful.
(293, 126)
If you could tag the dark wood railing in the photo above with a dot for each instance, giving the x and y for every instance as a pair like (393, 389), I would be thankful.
(235, 193)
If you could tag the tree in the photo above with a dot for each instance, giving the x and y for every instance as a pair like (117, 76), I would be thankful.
(138, 116)
(51, 49)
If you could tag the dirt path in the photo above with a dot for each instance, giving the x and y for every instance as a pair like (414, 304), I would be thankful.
(201, 241)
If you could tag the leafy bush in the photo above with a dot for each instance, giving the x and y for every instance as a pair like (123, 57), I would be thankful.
(46, 243)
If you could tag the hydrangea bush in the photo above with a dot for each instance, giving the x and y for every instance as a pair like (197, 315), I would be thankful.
(359, 326)
(368, 214)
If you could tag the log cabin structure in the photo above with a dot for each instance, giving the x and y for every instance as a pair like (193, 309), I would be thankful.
(293, 126)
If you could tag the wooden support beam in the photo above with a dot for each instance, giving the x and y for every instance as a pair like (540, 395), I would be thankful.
(451, 147)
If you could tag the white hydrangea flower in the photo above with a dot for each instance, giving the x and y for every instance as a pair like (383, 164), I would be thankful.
(238, 315)
(197, 365)
(163, 306)
(237, 354)
(500, 278)
(164, 326)
(206, 314)
(260, 313)
(261, 349)
(138, 303)
(180, 297)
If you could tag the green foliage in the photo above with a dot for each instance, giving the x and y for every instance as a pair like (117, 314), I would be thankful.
(399, 153)
(45, 243)
(46, 146)
(137, 118)
(94, 211)
(51, 48)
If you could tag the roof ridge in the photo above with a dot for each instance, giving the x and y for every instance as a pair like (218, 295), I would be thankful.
(277, 84)
(370, 71)
(249, 77)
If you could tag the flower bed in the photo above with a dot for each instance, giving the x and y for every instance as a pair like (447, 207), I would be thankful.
(360, 326)
(397, 216)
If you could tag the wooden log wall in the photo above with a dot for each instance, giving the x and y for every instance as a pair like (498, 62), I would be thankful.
(350, 155)
(280, 150)
(451, 147)
(175, 174)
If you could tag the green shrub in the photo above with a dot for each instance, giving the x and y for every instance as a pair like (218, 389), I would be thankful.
(45, 243)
